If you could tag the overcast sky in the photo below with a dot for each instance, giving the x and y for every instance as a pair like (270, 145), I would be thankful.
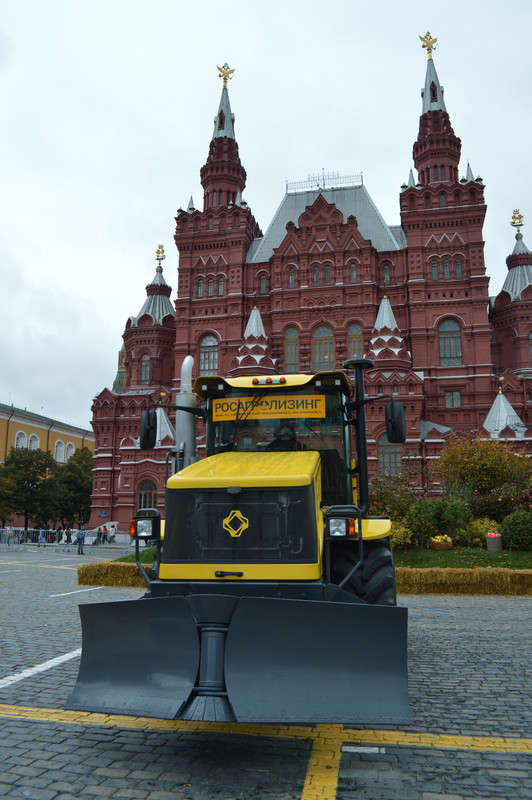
(107, 113)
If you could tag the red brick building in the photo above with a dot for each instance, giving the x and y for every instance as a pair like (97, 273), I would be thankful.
(328, 280)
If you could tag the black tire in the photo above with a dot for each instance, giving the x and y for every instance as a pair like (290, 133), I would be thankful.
(374, 582)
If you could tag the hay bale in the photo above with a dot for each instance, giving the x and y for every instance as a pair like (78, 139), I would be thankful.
(436, 580)
(481, 580)
(112, 573)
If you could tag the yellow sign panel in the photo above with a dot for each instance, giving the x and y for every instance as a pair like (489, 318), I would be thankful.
(275, 407)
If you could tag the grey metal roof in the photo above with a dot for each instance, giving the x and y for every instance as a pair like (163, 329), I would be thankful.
(502, 415)
(157, 305)
(350, 200)
(432, 77)
(255, 327)
(228, 129)
(520, 276)
(385, 317)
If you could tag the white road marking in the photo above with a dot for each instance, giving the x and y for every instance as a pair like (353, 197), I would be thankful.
(348, 748)
(27, 673)
(7, 571)
(77, 591)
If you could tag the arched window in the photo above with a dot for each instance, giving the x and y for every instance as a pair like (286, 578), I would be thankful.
(70, 450)
(200, 287)
(442, 200)
(208, 355)
(434, 267)
(386, 273)
(322, 348)
(21, 440)
(291, 278)
(145, 369)
(458, 267)
(147, 495)
(210, 223)
(220, 286)
(446, 268)
(354, 341)
(291, 350)
(352, 273)
(59, 452)
(262, 284)
(450, 343)
(210, 288)
(389, 456)
(316, 276)
(327, 274)
(33, 442)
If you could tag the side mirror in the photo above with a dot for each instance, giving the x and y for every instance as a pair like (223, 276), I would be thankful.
(148, 429)
(395, 422)
(146, 524)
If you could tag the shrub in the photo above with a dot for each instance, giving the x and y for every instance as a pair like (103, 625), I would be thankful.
(400, 536)
(436, 517)
(516, 531)
(477, 529)
(391, 495)
(423, 519)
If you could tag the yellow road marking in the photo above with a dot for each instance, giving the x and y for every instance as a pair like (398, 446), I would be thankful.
(324, 764)
(25, 564)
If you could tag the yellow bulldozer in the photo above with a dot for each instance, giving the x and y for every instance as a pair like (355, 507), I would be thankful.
(272, 596)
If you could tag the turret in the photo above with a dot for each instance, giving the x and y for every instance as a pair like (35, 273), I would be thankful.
(223, 177)
(437, 149)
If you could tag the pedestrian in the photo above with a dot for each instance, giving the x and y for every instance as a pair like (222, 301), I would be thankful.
(104, 533)
(41, 539)
(59, 535)
(99, 536)
(80, 539)
(68, 534)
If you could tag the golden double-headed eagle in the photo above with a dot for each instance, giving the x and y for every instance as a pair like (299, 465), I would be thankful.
(225, 73)
(429, 43)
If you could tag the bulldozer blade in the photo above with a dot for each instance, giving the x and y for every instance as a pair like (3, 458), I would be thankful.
(139, 657)
(303, 661)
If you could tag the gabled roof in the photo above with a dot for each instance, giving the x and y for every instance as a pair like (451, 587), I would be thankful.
(349, 200)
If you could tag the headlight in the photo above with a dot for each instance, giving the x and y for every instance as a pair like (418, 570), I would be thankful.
(337, 527)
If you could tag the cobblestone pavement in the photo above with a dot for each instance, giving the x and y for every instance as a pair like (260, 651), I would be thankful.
(469, 680)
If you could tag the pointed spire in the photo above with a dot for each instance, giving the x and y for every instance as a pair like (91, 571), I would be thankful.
(254, 355)
(469, 174)
(411, 182)
(502, 415)
(387, 348)
(191, 207)
(223, 177)
(224, 121)
(437, 149)
(432, 93)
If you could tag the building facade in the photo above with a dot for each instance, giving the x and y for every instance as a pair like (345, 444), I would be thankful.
(23, 429)
(330, 280)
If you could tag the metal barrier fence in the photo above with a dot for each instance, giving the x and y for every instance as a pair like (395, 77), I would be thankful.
(20, 539)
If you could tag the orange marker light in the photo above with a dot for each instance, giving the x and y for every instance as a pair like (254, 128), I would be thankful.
(131, 527)
(351, 527)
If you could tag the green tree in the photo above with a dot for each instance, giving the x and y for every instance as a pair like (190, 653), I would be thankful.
(485, 473)
(31, 471)
(74, 488)
(7, 492)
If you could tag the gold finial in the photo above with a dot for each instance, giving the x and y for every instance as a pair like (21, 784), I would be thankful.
(429, 43)
(500, 384)
(225, 73)
(160, 256)
(517, 220)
